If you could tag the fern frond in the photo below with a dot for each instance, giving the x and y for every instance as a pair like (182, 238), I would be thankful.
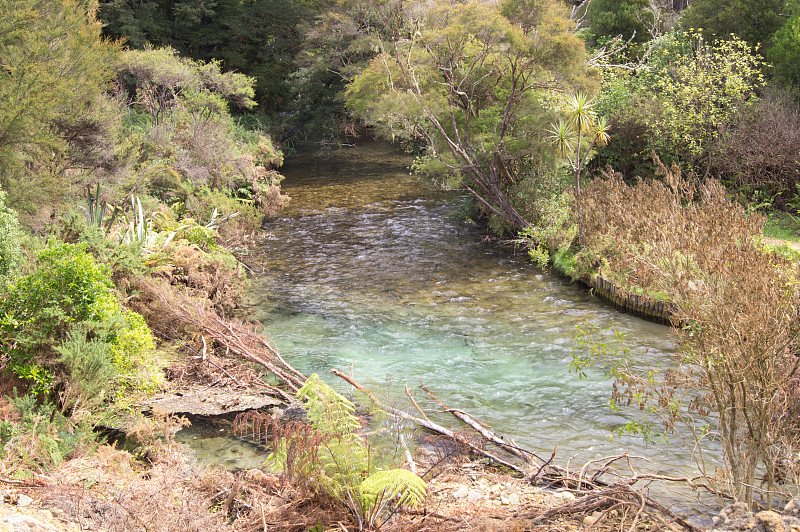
(332, 456)
(328, 411)
(385, 485)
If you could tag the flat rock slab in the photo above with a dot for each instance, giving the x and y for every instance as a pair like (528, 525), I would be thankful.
(210, 401)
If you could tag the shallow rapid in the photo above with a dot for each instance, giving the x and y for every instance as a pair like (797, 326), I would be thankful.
(372, 268)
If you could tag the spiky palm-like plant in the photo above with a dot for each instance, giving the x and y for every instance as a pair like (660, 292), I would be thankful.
(569, 139)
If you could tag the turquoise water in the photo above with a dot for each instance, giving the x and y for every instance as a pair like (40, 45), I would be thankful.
(370, 269)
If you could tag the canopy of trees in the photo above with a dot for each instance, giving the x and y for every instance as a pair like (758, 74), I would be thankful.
(55, 113)
(258, 37)
(477, 85)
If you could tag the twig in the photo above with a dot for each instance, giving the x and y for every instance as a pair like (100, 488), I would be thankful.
(414, 401)
(263, 517)
(425, 513)
(545, 464)
(411, 465)
(525, 455)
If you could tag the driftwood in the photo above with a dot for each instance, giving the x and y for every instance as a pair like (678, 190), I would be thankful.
(430, 425)
(593, 492)
(484, 431)
(619, 495)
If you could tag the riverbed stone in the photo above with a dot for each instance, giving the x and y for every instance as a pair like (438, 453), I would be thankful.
(513, 498)
(24, 500)
(591, 520)
(737, 518)
(461, 493)
(565, 496)
(771, 521)
(793, 506)
(474, 496)
(25, 523)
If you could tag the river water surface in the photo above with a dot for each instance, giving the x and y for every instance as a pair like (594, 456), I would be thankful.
(372, 269)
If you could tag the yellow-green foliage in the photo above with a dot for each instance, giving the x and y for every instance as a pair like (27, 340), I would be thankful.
(10, 251)
(554, 231)
(341, 463)
(483, 119)
(132, 355)
(56, 69)
(68, 292)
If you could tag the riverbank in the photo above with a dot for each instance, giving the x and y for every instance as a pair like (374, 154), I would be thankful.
(108, 491)
(379, 265)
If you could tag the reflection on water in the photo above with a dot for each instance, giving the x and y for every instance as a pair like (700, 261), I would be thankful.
(369, 268)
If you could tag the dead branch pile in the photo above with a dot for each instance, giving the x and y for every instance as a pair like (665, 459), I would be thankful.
(175, 314)
(596, 485)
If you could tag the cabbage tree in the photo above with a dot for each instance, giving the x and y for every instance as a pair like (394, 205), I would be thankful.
(575, 136)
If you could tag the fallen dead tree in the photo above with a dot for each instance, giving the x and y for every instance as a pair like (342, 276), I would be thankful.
(596, 485)
(177, 313)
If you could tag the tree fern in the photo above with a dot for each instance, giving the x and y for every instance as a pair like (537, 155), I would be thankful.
(383, 486)
(341, 463)
(328, 411)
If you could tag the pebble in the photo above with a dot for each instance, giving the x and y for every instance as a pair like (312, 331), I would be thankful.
(461, 493)
(513, 498)
(591, 520)
(24, 500)
(564, 495)
(474, 496)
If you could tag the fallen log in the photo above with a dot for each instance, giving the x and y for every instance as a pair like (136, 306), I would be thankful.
(430, 425)
(484, 431)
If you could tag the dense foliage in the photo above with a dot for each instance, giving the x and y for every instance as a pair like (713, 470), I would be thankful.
(170, 105)
(55, 113)
(734, 302)
(476, 85)
(260, 38)
(156, 129)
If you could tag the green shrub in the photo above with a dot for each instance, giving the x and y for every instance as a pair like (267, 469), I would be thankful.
(554, 231)
(67, 287)
(89, 363)
(67, 307)
(43, 437)
(10, 249)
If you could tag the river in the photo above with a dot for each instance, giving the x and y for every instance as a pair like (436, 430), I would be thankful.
(371, 269)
